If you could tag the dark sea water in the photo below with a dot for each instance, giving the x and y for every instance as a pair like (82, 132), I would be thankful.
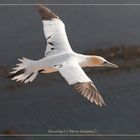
(49, 103)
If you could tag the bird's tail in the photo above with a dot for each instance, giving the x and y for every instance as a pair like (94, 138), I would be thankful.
(25, 71)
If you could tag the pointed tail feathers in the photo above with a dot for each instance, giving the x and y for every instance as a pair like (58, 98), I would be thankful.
(24, 71)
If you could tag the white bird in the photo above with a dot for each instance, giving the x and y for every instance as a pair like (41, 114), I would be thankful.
(60, 57)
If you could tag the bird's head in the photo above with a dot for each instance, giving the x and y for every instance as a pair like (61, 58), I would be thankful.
(100, 61)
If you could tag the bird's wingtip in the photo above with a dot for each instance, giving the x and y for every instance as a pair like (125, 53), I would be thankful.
(45, 12)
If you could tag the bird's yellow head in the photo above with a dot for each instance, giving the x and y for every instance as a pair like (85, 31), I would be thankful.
(99, 61)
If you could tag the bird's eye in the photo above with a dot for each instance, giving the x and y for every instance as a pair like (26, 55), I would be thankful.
(52, 48)
(104, 62)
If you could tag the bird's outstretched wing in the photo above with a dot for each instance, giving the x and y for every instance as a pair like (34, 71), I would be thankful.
(54, 30)
(76, 77)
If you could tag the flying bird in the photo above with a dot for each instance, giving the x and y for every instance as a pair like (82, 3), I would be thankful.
(60, 57)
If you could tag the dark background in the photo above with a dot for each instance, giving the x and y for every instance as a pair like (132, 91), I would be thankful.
(48, 102)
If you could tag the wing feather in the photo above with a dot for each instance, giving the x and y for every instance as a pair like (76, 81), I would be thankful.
(54, 30)
(76, 77)
(46, 13)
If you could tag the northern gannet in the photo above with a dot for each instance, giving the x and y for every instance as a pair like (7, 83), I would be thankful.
(60, 57)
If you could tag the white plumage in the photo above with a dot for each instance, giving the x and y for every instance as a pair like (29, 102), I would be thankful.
(73, 73)
(55, 34)
(60, 57)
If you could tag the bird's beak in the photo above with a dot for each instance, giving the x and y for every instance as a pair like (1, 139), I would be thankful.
(108, 64)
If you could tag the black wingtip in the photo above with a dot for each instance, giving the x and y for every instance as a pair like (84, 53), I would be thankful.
(45, 12)
(89, 91)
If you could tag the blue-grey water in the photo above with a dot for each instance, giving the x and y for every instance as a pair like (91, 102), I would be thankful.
(48, 102)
